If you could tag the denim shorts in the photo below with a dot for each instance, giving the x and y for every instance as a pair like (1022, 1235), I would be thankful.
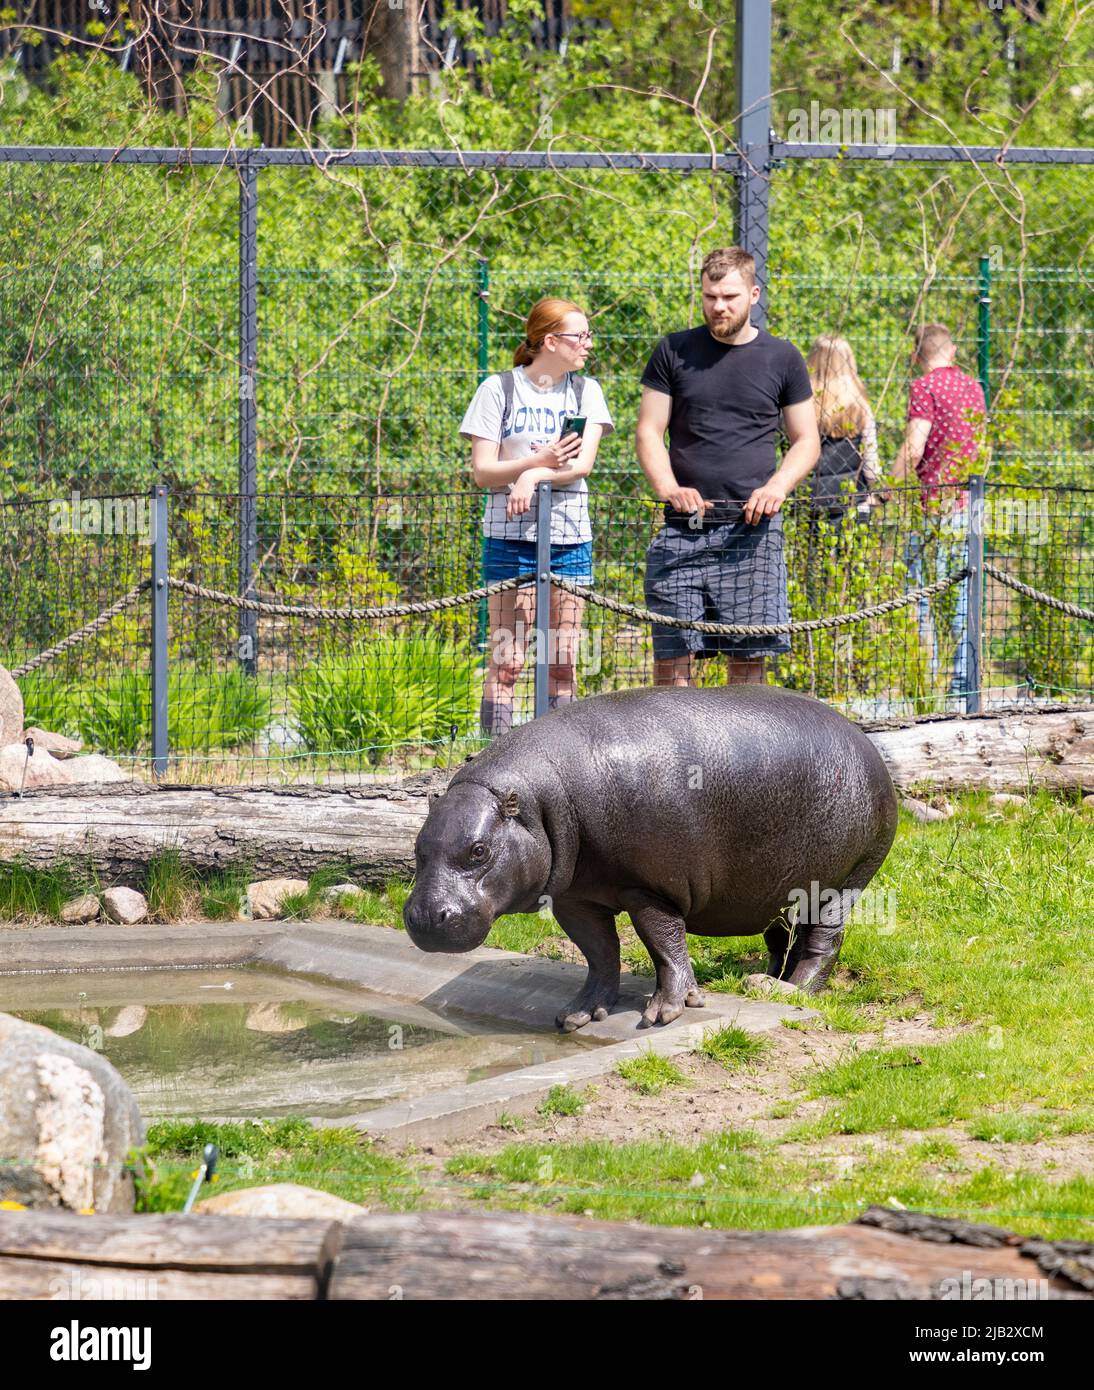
(729, 572)
(505, 559)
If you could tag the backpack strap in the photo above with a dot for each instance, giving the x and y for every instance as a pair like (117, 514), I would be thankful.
(507, 387)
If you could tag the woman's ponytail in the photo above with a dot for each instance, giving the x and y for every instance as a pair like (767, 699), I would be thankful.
(546, 317)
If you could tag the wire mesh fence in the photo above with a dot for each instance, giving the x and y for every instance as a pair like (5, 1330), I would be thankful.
(373, 694)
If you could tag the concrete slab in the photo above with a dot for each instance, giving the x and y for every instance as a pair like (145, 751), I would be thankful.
(484, 983)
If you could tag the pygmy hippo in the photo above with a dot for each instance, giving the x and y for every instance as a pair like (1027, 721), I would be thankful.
(693, 810)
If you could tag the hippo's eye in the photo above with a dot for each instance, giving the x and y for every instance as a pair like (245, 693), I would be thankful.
(478, 852)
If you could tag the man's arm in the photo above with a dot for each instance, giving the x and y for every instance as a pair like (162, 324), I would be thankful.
(911, 451)
(653, 422)
(800, 424)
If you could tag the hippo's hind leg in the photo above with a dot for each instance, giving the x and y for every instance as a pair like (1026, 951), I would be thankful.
(592, 930)
(663, 932)
(816, 947)
(783, 944)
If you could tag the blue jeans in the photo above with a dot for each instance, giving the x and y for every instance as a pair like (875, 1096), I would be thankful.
(951, 553)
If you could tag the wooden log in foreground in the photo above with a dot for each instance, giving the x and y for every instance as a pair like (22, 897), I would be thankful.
(296, 830)
(516, 1255)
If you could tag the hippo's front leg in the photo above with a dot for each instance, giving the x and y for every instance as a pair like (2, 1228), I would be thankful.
(592, 930)
(664, 935)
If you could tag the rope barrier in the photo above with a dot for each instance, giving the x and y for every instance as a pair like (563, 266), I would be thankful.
(630, 610)
(88, 630)
(1071, 609)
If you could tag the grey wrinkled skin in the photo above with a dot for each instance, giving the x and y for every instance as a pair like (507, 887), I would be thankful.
(692, 810)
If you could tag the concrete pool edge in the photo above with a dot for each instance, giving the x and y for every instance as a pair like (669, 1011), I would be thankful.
(503, 985)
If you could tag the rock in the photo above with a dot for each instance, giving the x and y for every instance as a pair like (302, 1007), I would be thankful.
(265, 897)
(42, 770)
(67, 1122)
(280, 1199)
(922, 812)
(11, 709)
(338, 891)
(57, 744)
(93, 767)
(125, 905)
(1088, 802)
(272, 1018)
(1008, 799)
(768, 984)
(130, 1018)
(82, 909)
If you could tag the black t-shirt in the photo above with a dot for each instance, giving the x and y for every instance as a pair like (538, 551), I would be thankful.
(726, 402)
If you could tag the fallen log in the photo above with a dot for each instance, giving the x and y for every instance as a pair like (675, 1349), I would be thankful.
(117, 828)
(886, 1255)
(47, 1254)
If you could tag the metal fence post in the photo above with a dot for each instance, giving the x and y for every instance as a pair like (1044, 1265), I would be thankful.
(983, 328)
(482, 292)
(543, 594)
(160, 591)
(975, 592)
(247, 651)
(754, 137)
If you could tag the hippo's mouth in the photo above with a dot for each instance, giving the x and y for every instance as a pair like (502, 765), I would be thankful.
(445, 929)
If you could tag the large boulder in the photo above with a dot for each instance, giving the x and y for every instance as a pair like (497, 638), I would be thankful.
(67, 1122)
(11, 709)
(33, 773)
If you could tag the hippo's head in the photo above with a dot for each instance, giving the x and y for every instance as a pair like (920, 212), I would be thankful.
(479, 854)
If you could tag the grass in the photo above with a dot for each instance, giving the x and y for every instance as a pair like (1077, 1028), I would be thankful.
(222, 893)
(732, 1047)
(31, 894)
(735, 1180)
(171, 887)
(650, 1073)
(564, 1100)
(256, 1152)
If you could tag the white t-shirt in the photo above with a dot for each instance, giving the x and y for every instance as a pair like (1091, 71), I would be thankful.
(535, 420)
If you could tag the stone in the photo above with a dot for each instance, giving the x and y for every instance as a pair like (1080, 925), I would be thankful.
(1088, 802)
(42, 770)
(338, 891)
(93, 767)
(57, 744)
(125, 906)
(129, 1019)
(265, 897)
(272, 1018)
(85, 908)
(923, 812)
(1008, 799)
(11, 709)
(280, 1199)
(768, 984)
(67, 1122)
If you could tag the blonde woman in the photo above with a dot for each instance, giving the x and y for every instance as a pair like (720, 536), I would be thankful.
(518, 425)
(847, 429)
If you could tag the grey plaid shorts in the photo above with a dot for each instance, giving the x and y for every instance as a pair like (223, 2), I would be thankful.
(727, 572)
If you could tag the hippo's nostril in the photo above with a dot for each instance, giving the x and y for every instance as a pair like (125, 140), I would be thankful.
(444, 913)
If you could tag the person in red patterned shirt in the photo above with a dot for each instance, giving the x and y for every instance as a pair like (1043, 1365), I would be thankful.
(946, 417)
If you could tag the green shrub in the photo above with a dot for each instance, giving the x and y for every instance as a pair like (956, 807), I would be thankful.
(388, 691)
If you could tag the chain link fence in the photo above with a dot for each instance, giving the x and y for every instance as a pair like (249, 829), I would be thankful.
(374, 635)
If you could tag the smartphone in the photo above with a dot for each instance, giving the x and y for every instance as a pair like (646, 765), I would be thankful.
(576, 423)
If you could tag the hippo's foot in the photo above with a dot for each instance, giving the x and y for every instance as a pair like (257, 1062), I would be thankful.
(595, 1002)
(668, 1003)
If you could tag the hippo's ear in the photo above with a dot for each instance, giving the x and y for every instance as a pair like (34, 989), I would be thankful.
(510, 804)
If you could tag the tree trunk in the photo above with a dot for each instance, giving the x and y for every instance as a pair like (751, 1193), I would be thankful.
(371, 831)
(516, 1255)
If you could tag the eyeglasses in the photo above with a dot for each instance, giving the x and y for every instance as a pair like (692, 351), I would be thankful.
(585, 337)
